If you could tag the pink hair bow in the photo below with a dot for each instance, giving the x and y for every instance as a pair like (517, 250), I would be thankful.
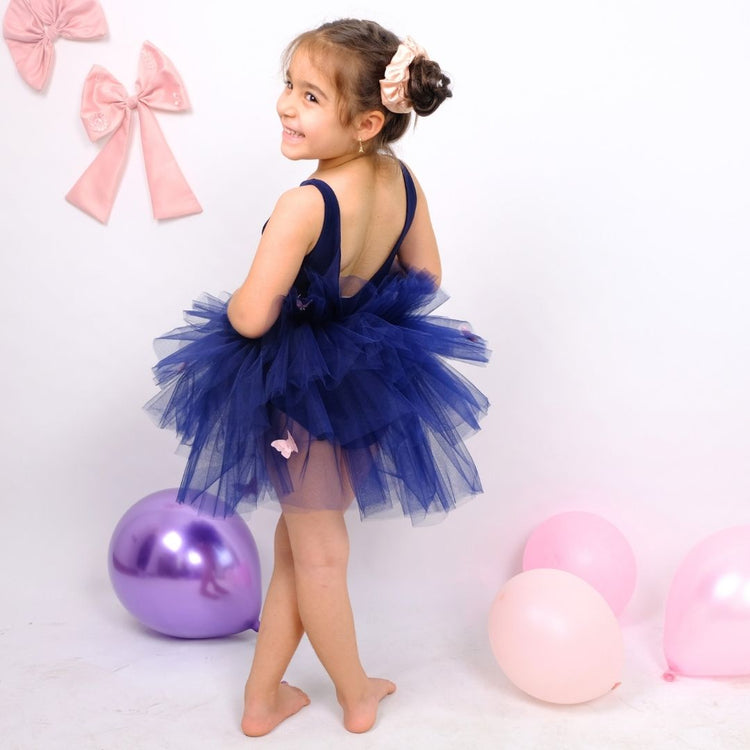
(31, 27)
(106, 109)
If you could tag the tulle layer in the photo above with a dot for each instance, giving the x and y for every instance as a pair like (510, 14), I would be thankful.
(342, 398)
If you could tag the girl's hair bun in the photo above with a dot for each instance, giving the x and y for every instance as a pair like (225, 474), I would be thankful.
(429, 87)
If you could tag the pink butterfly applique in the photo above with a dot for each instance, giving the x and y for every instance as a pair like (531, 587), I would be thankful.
(286, 447)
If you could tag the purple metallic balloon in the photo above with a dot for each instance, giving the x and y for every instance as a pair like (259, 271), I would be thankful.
(185, 574)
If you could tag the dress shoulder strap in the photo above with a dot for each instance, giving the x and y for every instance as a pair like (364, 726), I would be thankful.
(327, 247)
(411, 199)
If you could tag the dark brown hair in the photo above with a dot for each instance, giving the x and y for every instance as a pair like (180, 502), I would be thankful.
(355, 54)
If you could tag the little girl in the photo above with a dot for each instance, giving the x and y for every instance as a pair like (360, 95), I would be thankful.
(323, 379)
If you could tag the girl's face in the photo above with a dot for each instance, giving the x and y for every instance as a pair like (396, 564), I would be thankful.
(309, 111)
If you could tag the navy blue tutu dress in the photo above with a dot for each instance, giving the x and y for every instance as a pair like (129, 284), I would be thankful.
(346, 396)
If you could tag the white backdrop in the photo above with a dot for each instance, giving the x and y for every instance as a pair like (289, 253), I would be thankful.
(589, 187)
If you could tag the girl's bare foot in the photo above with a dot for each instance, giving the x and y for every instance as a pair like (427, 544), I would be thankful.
(360, 713)
(261, 717)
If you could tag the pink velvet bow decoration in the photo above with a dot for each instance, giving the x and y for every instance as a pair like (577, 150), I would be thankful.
(106, 109)
(30, 28)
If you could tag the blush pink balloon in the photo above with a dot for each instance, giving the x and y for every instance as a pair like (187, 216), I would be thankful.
(590, 547)
(555, 637)
(707, 616)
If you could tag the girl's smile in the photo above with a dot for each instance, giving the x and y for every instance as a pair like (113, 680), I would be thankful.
(291, 136)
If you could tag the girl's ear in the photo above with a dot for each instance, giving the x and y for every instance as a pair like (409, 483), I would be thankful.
(370, 124)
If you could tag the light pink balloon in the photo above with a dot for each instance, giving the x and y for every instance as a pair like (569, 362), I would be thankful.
(588, 546)
(555, 637)
(707, 616)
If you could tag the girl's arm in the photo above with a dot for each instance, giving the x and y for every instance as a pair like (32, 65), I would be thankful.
(419, 249)
(290, 234)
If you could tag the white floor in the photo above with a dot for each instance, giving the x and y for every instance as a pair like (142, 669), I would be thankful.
(79, 673)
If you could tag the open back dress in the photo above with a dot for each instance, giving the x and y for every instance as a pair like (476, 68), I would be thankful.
(346, 396)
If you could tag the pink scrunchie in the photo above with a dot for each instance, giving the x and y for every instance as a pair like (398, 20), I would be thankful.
(393, 86)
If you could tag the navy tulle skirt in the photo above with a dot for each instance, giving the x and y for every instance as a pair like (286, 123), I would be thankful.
(342, 398)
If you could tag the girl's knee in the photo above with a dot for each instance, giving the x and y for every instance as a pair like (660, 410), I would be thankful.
(321, 554)
(319, 541)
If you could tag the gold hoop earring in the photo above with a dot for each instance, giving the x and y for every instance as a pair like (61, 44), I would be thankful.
(361, 147)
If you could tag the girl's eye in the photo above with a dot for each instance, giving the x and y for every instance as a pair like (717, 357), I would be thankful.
(310, 97)
(288, 84)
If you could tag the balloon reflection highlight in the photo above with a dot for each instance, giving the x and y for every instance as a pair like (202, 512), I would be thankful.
(184, 574)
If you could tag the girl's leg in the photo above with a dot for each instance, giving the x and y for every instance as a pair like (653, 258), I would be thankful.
(268, 701)
(320, 551)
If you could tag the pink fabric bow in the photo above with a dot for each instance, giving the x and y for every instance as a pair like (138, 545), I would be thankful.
(393, 87)
(31, 27)
(106, 109)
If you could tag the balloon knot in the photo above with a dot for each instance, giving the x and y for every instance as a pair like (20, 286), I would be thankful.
(668, 677)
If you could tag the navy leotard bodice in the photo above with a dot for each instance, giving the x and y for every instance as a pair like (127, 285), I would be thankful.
(325, 258)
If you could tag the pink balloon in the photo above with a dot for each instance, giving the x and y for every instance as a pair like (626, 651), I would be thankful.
(707, 616)
(588, 546)
(555, 637)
